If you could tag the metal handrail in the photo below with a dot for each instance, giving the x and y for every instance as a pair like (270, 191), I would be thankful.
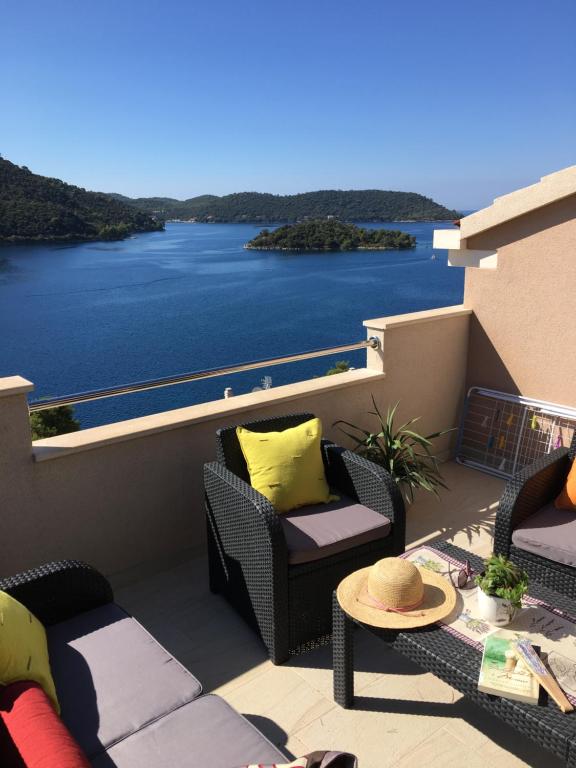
(141, 386)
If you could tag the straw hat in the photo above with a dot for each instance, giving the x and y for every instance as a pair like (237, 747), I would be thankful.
(396, 594)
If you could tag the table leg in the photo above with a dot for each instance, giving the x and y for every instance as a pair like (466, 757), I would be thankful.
(343, 655)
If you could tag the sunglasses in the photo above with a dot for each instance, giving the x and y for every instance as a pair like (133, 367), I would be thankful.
(462, 578)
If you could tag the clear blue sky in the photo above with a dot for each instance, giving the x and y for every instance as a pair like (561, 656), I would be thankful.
(461, 101)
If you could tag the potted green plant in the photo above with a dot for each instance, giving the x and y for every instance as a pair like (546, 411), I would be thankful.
(403, 452)
(502, 585)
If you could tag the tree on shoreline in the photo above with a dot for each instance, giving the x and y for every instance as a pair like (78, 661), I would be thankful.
(341, 366)
(53, 421)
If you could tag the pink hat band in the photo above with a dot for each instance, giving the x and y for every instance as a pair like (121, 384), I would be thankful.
(370, 601)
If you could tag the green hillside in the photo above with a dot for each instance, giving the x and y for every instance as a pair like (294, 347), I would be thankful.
(36, 207)
(353, 205)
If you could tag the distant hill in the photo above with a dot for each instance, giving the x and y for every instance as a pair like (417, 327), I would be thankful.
(259, 207)
(329, 235)
(36, 207)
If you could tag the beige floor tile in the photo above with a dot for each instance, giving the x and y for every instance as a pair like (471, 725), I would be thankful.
(199, 628)
(372, 659)
(398, 709)
(215, 653)
(215, 664)
(470, 729)
(424, 696)
(409, 690)
(164, 591)
(480, 730)
(295, 747)
(465, 723)
(431, 688)
(464, 514)
(441, 750)
(242, 679)
(510, 750)
(379, 739)
(281, 696)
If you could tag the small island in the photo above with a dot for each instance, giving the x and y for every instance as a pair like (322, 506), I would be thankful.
(330, 235)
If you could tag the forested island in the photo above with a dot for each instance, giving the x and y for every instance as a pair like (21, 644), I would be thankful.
(38, 208)
(329, 235)
(257, 207)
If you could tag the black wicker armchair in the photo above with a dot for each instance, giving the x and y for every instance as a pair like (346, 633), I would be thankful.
(525, 507)
(253, 552)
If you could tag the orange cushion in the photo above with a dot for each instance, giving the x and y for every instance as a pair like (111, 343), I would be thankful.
(567, 497)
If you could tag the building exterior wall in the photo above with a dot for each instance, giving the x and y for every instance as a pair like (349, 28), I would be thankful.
(127, 493)
(523, 331)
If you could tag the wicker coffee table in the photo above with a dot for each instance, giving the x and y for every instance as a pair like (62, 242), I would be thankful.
(458, 664)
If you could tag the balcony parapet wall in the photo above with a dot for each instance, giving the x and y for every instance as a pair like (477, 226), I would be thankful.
(129, 493)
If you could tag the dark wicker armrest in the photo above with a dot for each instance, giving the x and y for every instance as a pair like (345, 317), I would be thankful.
(59, 590)
(527, 492)
(368, 483)
(237, 506)
(251, 547)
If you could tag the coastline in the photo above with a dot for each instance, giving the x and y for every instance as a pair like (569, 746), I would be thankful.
(248, 247)
(266, 223)
(71, 238)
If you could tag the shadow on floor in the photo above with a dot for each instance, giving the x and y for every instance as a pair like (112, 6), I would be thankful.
(503, 735)
(200, 629)
(272, 731)
(463, 514)
(372, 656)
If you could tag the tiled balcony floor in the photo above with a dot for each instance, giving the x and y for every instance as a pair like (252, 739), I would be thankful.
(404, 717)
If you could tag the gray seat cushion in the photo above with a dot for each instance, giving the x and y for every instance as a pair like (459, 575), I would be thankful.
(207, 732)
(112, 677)
(321, 530)
(550, 533)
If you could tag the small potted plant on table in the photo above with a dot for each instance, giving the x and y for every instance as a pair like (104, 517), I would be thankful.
(502, 585)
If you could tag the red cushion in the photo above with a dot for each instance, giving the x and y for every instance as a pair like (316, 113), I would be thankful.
(32, 726)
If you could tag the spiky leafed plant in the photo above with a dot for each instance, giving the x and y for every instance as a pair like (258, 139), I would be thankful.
(403, 452)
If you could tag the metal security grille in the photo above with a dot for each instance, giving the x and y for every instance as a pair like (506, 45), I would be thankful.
(501, 433)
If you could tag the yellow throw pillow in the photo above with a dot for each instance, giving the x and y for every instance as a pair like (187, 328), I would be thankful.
(567, 496)
(287, 466)
(23, 647)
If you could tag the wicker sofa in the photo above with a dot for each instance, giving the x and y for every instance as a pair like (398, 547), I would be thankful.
(531, 531)
(125, 699)
(279, 571)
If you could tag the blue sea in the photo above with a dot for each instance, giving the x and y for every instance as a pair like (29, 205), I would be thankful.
(76, 317)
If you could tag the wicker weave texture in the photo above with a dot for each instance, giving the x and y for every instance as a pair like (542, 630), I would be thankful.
(59, 590)
(526, 493)
(289, 605)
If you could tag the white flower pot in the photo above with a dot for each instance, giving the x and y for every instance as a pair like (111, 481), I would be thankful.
(495, 610)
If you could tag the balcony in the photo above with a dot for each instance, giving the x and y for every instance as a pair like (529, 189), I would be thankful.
(128, 497)
(405, 717)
